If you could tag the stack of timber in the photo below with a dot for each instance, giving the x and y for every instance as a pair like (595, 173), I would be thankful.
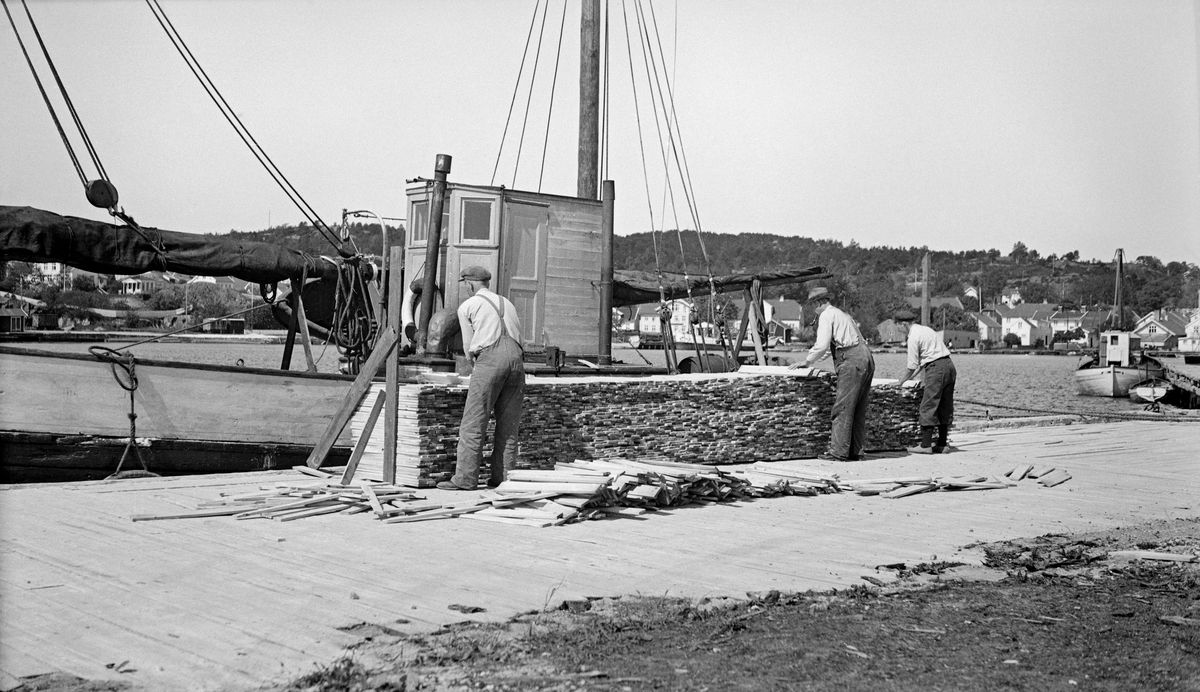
(710, 419)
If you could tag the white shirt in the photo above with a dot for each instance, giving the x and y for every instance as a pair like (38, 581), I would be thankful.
(835, 329)
(924, 346)
(479, 320)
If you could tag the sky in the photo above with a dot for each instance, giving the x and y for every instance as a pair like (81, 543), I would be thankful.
(1067, 125)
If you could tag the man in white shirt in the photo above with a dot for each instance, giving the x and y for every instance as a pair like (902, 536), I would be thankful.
(837, 333)
(927, 353)
(491, 335)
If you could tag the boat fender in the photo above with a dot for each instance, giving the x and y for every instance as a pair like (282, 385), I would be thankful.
(408, 308)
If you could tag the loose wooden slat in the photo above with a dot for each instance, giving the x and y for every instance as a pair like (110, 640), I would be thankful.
(363, 440)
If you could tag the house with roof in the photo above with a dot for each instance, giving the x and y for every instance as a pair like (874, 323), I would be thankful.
(785, 317)
(1011, 296)
(143, 285)
(1028, 321)
(1088, 322)
(1190, 341)
(12, 320)
(989, 327)
(1162, 329)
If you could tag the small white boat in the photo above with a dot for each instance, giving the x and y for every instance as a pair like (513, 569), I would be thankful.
(1149, 391)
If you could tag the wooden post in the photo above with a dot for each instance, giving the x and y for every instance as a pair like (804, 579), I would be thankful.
(925, 291)
(395, 295)
(433, 247)
(737, 344)
(754, 306)
(290, 343)
(606, 273)
(589, 99)
(362, 383)
(302, 321)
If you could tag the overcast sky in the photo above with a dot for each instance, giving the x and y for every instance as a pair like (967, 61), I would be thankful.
(1067, 125)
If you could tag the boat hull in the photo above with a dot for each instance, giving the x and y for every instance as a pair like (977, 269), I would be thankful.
(1111, 380)
(61, 411)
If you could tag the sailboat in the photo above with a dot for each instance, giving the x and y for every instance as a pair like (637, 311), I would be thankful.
(72, 416)
(1120, 363)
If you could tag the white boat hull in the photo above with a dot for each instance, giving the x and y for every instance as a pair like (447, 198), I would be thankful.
(1111, 380)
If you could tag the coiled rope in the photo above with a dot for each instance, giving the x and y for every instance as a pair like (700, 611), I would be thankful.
(125, 363)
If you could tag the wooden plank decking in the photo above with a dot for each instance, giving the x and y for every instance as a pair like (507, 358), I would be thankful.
(218, 604)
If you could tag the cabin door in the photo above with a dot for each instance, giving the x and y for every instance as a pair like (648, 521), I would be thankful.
(523, 264)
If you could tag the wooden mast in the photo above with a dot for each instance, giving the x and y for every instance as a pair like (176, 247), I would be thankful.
(589, 100)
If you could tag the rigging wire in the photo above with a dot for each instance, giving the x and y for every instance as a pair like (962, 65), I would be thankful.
(516, 88)
(532, 80)
(248, 139)
(101, 192)
(664, 309)
(675, 138)
(45, 97)
(553, 84)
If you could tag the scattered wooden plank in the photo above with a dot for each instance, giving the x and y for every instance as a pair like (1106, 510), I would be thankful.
(195, 514)
(1154, 555)
(1056, 477)
(1039, 471)
(314, 472)
(907, 490)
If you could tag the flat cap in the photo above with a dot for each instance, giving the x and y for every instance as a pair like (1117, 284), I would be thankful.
(475, 273)
(904, 316)
(818, 292)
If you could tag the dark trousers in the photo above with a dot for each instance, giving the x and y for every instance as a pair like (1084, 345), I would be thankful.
(497, 384)
(937, 402)
(855, 368)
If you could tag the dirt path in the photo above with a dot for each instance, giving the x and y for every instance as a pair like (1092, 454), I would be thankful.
(1054, 612)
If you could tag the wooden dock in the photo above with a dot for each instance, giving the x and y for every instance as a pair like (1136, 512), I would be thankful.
(221, 604)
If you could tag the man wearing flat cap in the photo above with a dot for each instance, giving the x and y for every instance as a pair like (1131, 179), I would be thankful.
(838, 334)
(491, 335)
(927, 353)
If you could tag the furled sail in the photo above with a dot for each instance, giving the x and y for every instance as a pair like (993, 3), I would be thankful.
(636, 287)
(34, 235)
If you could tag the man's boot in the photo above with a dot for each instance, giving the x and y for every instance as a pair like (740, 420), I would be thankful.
(926, 441)
(943, 440)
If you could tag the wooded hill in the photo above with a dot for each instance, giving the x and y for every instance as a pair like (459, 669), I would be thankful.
(872, 282)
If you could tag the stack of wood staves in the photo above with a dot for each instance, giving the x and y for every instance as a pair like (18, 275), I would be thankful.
(729, 418)
(1046, 475)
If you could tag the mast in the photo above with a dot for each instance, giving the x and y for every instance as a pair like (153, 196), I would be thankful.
(589, 100)
(1120, 302)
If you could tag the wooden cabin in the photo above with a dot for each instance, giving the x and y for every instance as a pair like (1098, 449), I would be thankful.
(543, 250)
(12, 320)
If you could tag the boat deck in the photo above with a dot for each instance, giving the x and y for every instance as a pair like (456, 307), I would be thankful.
(220, 604)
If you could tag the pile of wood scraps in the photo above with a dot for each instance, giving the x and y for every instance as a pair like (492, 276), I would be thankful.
(1046, 475)
(894, 488)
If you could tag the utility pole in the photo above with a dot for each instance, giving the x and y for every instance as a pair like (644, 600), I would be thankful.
(925, 290)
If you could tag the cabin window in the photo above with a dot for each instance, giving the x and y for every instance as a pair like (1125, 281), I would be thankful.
(1153, 329)
(477, 220)
(419, 231)
(1114, 340)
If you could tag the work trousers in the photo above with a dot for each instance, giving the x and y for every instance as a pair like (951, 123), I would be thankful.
(855, 368)
(937, 401)
(497, 385)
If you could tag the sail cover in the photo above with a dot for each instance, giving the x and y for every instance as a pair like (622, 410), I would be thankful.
(636, 288)
(33, 235)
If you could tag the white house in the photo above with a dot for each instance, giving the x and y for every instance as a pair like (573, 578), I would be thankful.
(1162, 329)
(1191, 339)
(1028, 321)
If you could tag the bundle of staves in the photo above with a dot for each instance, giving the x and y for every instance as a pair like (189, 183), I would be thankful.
(727, 418)
(893, 488)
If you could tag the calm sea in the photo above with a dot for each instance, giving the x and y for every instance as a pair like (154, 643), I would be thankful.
(1031, 382)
